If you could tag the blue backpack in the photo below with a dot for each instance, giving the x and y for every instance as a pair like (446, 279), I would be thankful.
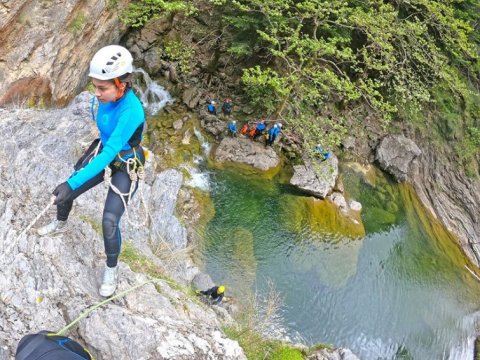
(49, 346)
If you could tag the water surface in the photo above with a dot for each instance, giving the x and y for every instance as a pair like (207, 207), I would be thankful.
(393, 286)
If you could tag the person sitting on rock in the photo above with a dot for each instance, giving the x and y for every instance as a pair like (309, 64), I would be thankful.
(211, 108)
(213, 295)
(232, 128)
(120, 120)
(227, 106)
(324, 154)
(244, 129)
(260, 129)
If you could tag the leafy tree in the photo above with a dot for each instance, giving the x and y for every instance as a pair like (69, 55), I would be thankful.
(384, 54)
(307, 54)
(138, 13)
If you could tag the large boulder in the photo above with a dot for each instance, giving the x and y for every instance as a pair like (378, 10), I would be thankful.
(395, 153)
(246, 151)
(191, 96)
(316, 177)
(47, 281)
(46, 46)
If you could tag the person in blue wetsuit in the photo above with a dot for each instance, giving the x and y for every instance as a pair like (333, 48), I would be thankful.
(120, 120)
(322, 153)
(260, 129)
(211, 108)
(272, 135)
(232, 128)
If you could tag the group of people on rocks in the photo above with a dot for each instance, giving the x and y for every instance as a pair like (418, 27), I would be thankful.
(253, 131)
(256, 130)
(227, 107)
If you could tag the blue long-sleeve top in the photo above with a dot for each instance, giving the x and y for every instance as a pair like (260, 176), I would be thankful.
(273, 132)
(232, 127)
(116, 122)
(261, 127)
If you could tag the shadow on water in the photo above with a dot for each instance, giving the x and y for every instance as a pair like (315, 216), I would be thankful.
(391, 287)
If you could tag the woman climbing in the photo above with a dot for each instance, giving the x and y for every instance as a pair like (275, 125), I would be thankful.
(120, 120)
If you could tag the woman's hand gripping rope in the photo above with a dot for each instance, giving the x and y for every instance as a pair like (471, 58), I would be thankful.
(50, 203)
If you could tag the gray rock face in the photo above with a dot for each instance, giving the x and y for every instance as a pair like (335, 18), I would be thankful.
(191, 97)
(50, 43)
(248, 152)
(47, 281)
(451, 197)
(203, 281)
(316, 177)
(395, 154)
(213, 124)
(442, 188)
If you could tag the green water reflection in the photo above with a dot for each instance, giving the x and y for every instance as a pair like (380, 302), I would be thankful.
(391, 287)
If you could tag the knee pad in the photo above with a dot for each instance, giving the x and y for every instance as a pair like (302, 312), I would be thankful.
(109, 224)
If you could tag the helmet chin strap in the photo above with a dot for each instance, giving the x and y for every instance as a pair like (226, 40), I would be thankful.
(120, 91)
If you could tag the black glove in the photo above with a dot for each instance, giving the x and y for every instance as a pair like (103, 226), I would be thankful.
(63, 193)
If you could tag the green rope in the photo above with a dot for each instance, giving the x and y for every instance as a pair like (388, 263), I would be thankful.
(106, 301)
(96, 306)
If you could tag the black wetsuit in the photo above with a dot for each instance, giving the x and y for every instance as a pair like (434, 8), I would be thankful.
(114, 209)
(212, 292)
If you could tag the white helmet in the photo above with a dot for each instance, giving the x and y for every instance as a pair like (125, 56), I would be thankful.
(279, 125)
(111, 62)
(275, 126)
(234, 122)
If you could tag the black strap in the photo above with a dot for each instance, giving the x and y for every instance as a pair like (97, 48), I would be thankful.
(90, 150)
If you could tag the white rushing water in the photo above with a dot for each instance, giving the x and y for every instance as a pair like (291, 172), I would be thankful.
(203, 142)
(153, 96)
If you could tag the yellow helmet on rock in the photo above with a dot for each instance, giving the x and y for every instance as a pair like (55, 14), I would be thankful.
(221, 289)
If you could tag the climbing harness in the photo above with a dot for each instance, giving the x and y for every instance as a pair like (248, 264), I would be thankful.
(135, 170)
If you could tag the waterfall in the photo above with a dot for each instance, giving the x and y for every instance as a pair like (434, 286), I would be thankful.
(198, 179)
(203, 142)
(154, 97)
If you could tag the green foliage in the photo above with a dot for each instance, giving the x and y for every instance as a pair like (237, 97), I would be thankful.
(140, 12)
(265, 87)
(400, 58)
(470, 150)
(90, 87)
(257, 347)
(286, 353)
(388, 55)
(139, 262)
(78, 23)
(177, 51)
